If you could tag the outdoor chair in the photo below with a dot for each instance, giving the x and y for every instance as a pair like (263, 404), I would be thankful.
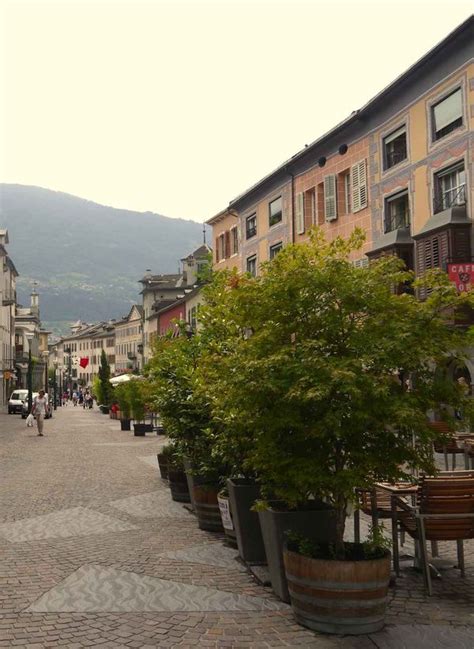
(444, 512)
(375, 503)
(449, 446)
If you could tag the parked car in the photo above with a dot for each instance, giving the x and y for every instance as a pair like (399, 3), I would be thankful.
(24, 409)
(15, 403)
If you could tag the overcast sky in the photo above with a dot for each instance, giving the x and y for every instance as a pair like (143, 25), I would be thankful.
(177, 107)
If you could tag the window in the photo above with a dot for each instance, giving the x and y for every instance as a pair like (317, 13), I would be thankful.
(446, 115)
(450, 187)
(359, 186)
(347, 193)
(395, 147)
(310, 207)
(397, 212)
(330, 198)
(275, 249)
(275, 213)
(235, 240)
(252, 265)
(193, 318)
(299, 214)
(222, 246)
(251, 226)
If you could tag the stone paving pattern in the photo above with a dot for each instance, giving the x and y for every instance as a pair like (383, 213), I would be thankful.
(93, 553)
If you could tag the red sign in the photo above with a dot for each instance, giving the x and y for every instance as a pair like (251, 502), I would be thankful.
(462, 275)
(84, 362)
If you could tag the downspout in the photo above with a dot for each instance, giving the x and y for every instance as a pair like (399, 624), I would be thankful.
(292, 205)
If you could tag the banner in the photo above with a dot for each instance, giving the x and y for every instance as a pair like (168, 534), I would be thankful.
(84, 362)
(462, 276)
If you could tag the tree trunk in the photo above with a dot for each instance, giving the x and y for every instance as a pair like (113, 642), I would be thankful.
(341, 508)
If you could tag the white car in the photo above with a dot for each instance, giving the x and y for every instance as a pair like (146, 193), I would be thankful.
(15, 403)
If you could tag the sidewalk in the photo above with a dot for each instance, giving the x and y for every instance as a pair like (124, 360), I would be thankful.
(93, 553)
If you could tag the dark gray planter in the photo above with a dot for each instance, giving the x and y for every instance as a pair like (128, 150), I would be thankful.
(139, 430)
(125, 424)
(243, 494)
(316, 524)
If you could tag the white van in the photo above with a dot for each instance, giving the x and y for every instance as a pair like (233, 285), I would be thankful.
(15, 402)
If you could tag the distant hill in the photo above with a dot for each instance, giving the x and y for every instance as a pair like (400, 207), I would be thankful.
(86, 257)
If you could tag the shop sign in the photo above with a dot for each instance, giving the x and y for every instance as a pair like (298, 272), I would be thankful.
(462, 276)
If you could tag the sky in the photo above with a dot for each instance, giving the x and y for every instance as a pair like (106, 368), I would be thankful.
(178, 107)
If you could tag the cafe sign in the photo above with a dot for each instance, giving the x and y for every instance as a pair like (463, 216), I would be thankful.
(462, 276)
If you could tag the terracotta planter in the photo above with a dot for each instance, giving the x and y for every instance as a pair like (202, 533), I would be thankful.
(243, 494)
(163, 465)
(317, 521)
(207, 507)
(178, 485)
(343, 597)
(227, 519)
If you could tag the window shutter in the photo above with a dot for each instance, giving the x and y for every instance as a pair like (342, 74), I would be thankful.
(461, 248)
(330, 203)
(359, 186)
(227, 244)
(217, 248)
(299, 215)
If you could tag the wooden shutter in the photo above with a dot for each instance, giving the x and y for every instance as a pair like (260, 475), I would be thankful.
(217, 248)
(330, 198)
(227, 244)
(359, 186)
(299, 213)
(461, 244)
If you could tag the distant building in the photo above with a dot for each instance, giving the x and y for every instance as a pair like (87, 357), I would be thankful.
(8, 275)
(129, 341)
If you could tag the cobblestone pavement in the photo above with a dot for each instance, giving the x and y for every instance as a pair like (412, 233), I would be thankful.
(93, 553)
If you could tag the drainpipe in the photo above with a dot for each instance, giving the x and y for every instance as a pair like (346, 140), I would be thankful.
(292, 205)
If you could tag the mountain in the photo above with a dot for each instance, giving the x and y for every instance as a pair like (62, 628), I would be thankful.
(87, 258)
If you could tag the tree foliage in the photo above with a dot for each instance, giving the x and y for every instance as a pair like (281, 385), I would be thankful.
(319, 388)
(104, 378)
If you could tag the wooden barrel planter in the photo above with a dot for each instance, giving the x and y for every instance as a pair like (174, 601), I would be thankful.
(341, 597)
(178, 485)
(163, 465)
(227, 519)
(207, 507)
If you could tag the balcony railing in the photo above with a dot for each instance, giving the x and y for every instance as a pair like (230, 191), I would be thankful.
(394, 157)
(251, 231)
(397, 222)
(8, 298)
(450, 198)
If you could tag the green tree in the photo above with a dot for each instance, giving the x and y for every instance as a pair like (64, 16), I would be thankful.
(104, 378)
(320, 382)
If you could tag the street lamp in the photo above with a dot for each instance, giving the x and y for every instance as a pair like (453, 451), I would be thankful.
(29, 336)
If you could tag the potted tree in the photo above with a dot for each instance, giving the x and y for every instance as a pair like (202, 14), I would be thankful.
(186, 415)
(105, 391)
(321, 381)
(137, 406)
(122, 395)
(164, 460)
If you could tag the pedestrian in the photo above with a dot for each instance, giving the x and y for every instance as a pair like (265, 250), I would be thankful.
(39, 409)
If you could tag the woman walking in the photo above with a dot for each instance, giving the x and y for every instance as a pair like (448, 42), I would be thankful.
(39, 410)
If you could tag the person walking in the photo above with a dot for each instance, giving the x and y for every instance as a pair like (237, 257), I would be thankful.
(39, 409)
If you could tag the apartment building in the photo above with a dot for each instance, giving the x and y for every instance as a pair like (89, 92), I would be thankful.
(8, 275)
(129, 341)
(400, 168)
(30, 339)
(227, 240)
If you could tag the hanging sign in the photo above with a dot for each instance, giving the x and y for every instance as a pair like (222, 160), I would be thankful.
(462, 276)
(84, 362)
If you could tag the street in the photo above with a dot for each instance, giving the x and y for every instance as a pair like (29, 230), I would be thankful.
(94, 553)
